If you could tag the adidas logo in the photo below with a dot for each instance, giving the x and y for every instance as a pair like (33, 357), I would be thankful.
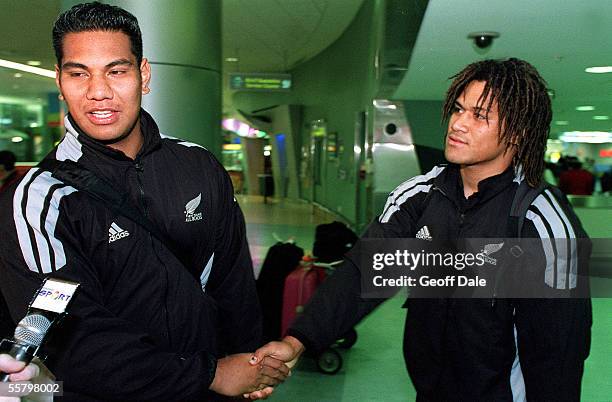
(423, 234)
(190, 214)
(115, 233)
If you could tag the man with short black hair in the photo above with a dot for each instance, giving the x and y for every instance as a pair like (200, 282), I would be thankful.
(155, 317)
(487, 348)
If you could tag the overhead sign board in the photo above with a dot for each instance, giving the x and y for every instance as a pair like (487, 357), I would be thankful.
(260, 82)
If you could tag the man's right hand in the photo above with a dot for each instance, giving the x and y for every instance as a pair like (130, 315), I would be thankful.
(288, 350)
(235, 376)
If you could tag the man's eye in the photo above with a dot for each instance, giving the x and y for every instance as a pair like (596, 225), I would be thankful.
(480, 116)
(77, 74)
(457, 109)
(117, 72)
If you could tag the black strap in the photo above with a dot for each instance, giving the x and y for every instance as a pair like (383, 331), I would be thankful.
(523, 198)
(79, 177)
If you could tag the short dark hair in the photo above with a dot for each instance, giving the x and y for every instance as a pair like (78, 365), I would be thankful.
(7, 159)
(523, 105)
(96, 17)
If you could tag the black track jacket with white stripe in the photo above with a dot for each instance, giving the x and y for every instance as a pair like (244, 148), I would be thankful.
(465, 349)
(142, 326)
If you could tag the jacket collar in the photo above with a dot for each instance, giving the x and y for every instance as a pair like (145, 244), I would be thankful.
(452, 186)
(77, 140)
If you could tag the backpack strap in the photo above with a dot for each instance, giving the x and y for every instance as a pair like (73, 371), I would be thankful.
(83, 179)
(524, 196)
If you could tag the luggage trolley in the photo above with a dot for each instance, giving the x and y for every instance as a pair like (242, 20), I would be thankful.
(300, 285)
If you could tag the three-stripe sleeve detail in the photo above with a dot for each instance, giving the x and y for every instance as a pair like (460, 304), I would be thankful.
(36, 212)
(408, 189)
(181, 142)
(558, 241)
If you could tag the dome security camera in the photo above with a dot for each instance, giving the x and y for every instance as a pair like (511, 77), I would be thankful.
(483, 40)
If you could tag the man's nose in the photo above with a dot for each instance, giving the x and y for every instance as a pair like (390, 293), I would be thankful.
(99, 89)
(460, 122)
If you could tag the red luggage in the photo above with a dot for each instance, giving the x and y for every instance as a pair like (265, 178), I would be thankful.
(300, 285)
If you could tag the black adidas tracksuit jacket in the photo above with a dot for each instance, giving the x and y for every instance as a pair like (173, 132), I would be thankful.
(464, 349)
(142, 326)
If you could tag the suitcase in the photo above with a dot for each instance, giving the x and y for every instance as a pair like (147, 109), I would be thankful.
(300, 285)
(280, 260)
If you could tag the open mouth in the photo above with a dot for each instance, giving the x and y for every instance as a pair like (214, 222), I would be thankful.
(106, 116)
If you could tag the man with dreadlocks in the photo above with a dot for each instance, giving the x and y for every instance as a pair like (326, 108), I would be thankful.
(495, 349)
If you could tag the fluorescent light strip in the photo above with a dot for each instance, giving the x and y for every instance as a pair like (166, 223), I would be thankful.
(27, 69)
(599, 70)
(397, 147)
(586, 108)
(592, 137)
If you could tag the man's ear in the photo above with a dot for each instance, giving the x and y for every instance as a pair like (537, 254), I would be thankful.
(58, 82)
(145, 75)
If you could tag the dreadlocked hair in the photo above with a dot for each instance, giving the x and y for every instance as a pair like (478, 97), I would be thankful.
(523, 106)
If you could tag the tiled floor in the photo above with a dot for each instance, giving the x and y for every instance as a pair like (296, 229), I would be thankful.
(373, 368)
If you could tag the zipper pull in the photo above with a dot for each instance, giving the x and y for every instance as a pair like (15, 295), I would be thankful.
(436, 188)
(138, 166)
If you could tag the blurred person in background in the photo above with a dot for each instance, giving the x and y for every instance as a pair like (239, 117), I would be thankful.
(606, 181)
(576, 180)
(8, 173)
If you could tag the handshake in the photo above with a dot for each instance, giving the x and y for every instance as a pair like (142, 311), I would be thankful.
(267, 367)
(251, 375)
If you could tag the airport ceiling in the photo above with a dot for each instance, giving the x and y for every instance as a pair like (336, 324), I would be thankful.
(561, 38)
(264, 35)
(25, 34)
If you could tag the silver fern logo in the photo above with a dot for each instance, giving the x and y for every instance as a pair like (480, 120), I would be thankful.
(491, 249)
(190, 209)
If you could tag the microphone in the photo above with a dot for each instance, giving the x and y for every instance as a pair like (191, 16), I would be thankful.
(28, 337)
(45, 311)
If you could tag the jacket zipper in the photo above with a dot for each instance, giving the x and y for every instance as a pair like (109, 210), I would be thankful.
(139, 173)
(436, 188)
(461, 213)
(461, 221)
